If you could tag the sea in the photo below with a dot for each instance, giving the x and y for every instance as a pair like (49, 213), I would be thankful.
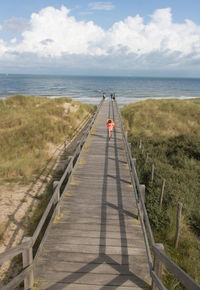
(90, 89)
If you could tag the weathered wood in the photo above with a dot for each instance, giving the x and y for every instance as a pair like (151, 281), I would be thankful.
(26, 246)
(98, 218)
(17, 280)
(146, 218)
(140, 144)
(27, 257)
(57, 196)
(157, 266)
(178, 223)
(142, 188)
(134, 161)
(11, 253)
(183, 277)
(51, 202)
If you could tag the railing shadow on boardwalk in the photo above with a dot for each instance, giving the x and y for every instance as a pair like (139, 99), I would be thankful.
(25, 248)
(42, 185)
(124, 273)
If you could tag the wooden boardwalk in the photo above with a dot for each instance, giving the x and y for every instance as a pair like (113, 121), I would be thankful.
(96, 242)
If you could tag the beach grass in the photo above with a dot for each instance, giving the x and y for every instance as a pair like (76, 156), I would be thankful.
(169, 131)
(29, 125)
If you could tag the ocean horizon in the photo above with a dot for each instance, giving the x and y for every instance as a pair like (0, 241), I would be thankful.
(90, 89)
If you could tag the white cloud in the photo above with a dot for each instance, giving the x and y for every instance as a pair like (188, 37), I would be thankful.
(101, 6)
(66, 35)
(54, 35)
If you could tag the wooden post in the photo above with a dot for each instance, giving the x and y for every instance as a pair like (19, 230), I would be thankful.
(157, 265)
(162, 192)
(178, 223)
(133, 165)
(152, 172)
(55, 184)
(134, 161)
(142, 188)
(57, 197)
(70, 158)
(78, 146)
(27, 258)
(140, 145)
(142, 149)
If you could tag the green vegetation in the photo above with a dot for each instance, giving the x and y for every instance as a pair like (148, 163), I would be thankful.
(29, 126)
(169, 131)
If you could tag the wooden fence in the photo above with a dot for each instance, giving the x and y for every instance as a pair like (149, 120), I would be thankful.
(157, 249)
(26, 247)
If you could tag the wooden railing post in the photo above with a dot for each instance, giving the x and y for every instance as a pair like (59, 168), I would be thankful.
(57, 197)
(142, 188)
(140, 145)
(134, 161)
(157, 266)
(27, 257)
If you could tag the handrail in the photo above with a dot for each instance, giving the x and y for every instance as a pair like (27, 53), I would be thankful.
(21, 248)
(17, 280)
(181, 275)
(134, 179)
(13, 252)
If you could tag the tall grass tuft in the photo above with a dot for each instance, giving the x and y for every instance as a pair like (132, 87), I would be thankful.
(170, 133)
(28, 125)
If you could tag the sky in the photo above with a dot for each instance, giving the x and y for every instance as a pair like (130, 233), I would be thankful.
(125, 38)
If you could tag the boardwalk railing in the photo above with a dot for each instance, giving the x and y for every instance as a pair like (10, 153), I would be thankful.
(157, 249)
(26, 247)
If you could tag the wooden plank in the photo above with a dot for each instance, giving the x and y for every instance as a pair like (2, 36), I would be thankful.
(96, 240)
(64, 286)
(95, 279)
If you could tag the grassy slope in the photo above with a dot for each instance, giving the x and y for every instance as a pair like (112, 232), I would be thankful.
(170, 133)
(28, 126)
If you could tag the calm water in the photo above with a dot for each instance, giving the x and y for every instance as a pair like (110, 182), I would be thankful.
(90, 89)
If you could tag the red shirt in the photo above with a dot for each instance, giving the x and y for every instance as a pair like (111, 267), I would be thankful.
(110, 125)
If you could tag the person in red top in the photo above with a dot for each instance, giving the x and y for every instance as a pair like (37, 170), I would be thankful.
(110, 125)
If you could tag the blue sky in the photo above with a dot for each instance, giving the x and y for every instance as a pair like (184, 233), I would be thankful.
(130, 37)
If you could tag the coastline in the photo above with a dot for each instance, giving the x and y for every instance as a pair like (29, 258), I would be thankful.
(88, 89)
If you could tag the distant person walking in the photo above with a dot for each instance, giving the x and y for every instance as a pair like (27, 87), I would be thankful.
(110, 125)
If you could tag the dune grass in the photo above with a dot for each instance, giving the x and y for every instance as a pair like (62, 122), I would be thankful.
(28, 125)
(170, 134)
